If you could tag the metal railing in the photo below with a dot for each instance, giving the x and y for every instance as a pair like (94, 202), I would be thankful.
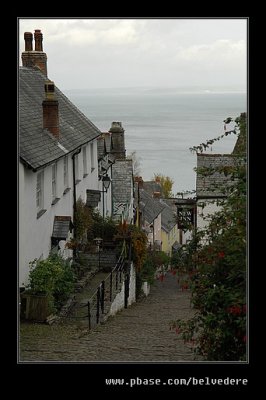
(99, 303)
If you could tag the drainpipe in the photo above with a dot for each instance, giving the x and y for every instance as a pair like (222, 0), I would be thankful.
(74, 198)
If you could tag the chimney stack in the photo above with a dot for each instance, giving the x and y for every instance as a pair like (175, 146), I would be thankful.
(36, 58)
(139, 180)
(156, 195)
(118, 139)
(50, 110)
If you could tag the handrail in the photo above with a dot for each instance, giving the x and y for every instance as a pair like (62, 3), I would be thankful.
(98, 297)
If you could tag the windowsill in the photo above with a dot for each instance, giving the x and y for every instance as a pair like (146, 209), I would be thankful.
(84, 175)
(66, 190)
(92, 169)
(56, 200)
(77, 181)
(40, 213)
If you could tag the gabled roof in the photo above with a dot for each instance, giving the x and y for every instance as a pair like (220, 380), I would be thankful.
(62, 225)
(38, 146)
(149, 207)
(213, 185)
(169, 219)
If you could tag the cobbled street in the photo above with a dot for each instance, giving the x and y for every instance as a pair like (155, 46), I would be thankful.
(139, 333)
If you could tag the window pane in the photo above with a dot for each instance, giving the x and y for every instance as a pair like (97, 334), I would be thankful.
(92, 156)
(84, 160)
(65, 172)
(54, 181)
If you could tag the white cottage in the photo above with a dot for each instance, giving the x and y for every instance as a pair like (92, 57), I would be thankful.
(57, 160)
(212, 184)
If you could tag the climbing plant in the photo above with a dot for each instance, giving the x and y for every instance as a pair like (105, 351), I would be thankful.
(218, 282)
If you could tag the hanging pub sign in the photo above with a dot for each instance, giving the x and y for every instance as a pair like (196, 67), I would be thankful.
(186, 213)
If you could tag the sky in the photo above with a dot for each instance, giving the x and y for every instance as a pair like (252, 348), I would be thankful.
(120, 53)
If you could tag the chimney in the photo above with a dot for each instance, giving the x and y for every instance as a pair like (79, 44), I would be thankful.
(28, 41)
(36, 58)
(50, 110)
(139, 180)
(38, 40)
(118, 139)
(156, 195)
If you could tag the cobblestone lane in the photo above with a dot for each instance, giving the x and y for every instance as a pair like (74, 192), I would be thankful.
(139, 333)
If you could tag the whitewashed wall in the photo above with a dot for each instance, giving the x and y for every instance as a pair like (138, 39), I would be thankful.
(107, 198)
(203, 209)
(35, 234)
(157, 228)
(146, 287)
(119, 301)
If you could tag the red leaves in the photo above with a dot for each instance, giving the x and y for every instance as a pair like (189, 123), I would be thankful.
(235, 310)
(221, 254)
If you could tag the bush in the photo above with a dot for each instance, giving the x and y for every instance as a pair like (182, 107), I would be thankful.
(218, 283)
(53, 277)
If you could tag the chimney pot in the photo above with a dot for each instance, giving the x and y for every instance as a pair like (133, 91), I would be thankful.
(28, 37)
(38, 40)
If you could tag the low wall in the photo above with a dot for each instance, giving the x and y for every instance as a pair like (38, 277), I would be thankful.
(146, 287)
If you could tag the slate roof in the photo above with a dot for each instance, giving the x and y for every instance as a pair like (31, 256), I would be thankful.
(149, 207)
(122, 181)
(62, 225)
(38, 146)
(214, 185)
(168, 217)
(176, 246)
(93, 197)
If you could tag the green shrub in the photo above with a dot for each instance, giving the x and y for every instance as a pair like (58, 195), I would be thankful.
(53, 277)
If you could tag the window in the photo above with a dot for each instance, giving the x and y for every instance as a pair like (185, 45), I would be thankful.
(77, 169)
(92, 157)
(85, 170)
(54, 182)
(39, 191)
(65, 172)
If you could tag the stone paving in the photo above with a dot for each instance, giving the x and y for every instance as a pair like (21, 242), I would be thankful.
(140, 333)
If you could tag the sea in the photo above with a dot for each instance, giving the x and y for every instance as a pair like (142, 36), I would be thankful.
(161, 125)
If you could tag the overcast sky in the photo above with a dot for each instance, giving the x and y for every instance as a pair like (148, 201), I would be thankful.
(106, 53)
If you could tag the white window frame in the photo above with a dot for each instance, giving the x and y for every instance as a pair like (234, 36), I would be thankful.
(54, 181)
(76, 158)
(85, 167)
(39, 191)
(66, 172)
(92, 157)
